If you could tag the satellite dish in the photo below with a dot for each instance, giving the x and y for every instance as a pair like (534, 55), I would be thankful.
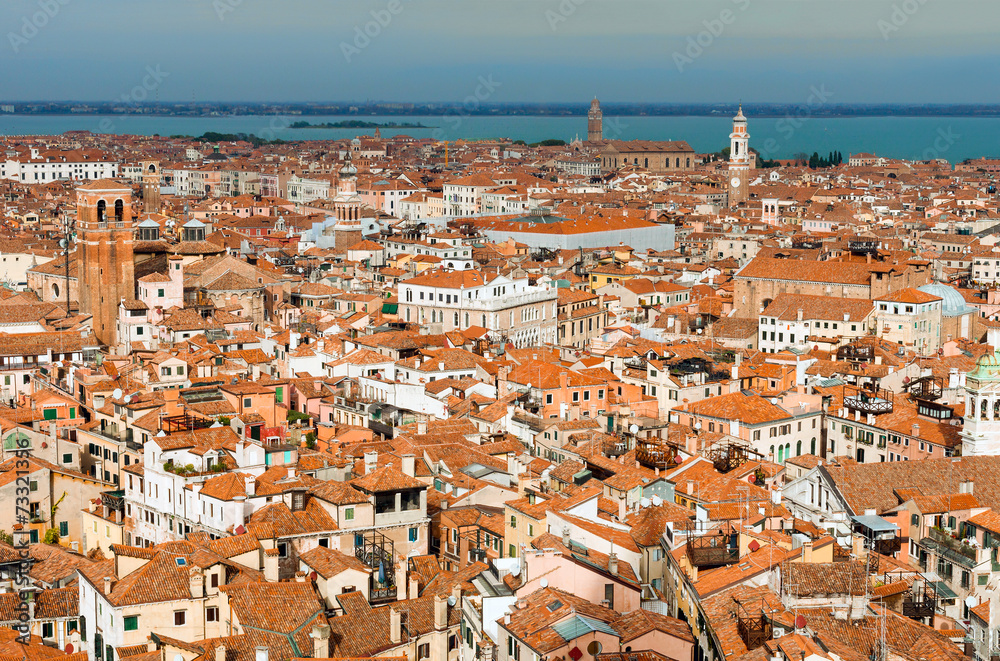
(971, 601)
(161, 434)
(633, 428)
(697, 425)
(644, 502)
(451, 601)
(178, 657)
(657, 501)
(116, 394)
(800, 622)
(774, 400)
(544, 582)
(63, 243)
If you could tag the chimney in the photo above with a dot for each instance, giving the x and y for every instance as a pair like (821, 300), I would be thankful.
(250, 483)
(321, 641)
(858, 547)
(807, 551)
(271, 566)
(409, 465)
(220, 653)
(915, 431)
(196, 582)
(565, 536)
(92, 505)
(690, 487)
(414, 587)
(107, 585)
(613, 564)
(371, 461)
(260, 653)
(798, 315)
(395, 626)
(421, 426)
(966, 486)
(456, 594)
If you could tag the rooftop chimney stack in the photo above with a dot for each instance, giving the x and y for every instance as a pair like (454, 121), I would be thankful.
(371, 461)
(440, 612)
(613, 564)
(395, 626)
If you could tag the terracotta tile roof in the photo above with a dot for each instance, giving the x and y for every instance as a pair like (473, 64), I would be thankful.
(872, 486)
(386, 478)
(329, 562)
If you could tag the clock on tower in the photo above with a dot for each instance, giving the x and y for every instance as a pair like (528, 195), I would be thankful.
(740, 160)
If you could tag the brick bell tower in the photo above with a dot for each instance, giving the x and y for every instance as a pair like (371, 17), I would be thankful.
(151, 186)
(104, 253)
(595, 122)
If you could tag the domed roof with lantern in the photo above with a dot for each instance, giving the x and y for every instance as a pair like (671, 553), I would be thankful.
(348, 170)
(987, 367)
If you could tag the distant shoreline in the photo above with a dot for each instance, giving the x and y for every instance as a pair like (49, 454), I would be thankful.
(357, 124)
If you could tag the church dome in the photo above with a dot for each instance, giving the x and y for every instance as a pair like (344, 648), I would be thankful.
(952, 303)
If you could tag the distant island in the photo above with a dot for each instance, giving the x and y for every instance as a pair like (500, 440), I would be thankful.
(358, 124)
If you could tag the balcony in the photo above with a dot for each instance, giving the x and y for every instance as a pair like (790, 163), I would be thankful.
(920, 601)
(945, 540)
(713, 550)
(376, 550)
(754, 628)
(657, 453)
(868, 399)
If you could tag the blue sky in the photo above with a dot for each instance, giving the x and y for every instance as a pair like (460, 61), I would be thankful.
(913, 51)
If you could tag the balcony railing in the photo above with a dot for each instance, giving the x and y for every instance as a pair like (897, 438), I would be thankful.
(959, 546)
(713, 550)
(868, 400)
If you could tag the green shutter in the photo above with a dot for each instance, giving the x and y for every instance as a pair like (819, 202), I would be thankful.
(278, 395)
(50, 414)
(72, 413)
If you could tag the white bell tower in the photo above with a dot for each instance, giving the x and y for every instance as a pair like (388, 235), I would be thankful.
(739, 160)
(981, 429)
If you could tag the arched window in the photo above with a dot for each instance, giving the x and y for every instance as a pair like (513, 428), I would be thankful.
(771, 453)
(409, 295)
(466, 319)
(456, 319)
(788, 450)
(812, 446)
(119, 211)
(484, 321)
(982, 409)
(101, 208)
(781, 455)
(798, 449)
